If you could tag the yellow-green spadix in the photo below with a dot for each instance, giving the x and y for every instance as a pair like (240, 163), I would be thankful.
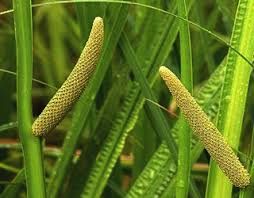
(74, 85)
(206, 131)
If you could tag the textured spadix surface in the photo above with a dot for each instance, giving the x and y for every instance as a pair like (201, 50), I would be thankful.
(74, 85)
(206, 131)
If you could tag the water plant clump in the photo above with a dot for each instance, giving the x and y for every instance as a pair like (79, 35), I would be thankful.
(105, 125)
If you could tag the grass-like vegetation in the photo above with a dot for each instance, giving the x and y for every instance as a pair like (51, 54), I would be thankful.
(125, 136)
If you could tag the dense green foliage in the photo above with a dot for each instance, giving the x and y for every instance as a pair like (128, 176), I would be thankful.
(125, 137)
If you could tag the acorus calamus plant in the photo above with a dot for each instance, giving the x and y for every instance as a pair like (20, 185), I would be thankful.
(206, 131)
(74, 85)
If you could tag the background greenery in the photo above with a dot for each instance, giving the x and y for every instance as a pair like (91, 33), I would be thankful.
(117, 141)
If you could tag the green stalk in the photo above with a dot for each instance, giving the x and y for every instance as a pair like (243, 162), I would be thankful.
(184, 144)
(234, 93)
(30, 144)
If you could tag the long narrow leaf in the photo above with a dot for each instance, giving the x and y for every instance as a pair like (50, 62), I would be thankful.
(158, 119)
(235, 87)
(12, 189)
(184, 141)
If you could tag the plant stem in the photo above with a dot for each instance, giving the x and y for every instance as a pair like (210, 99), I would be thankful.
(31, 145)
(183, 173)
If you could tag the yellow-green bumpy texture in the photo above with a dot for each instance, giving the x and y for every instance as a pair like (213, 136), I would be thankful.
(206, 131)
(74, 85)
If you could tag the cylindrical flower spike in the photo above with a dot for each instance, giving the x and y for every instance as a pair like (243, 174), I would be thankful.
(206, 131)
(74, 85)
